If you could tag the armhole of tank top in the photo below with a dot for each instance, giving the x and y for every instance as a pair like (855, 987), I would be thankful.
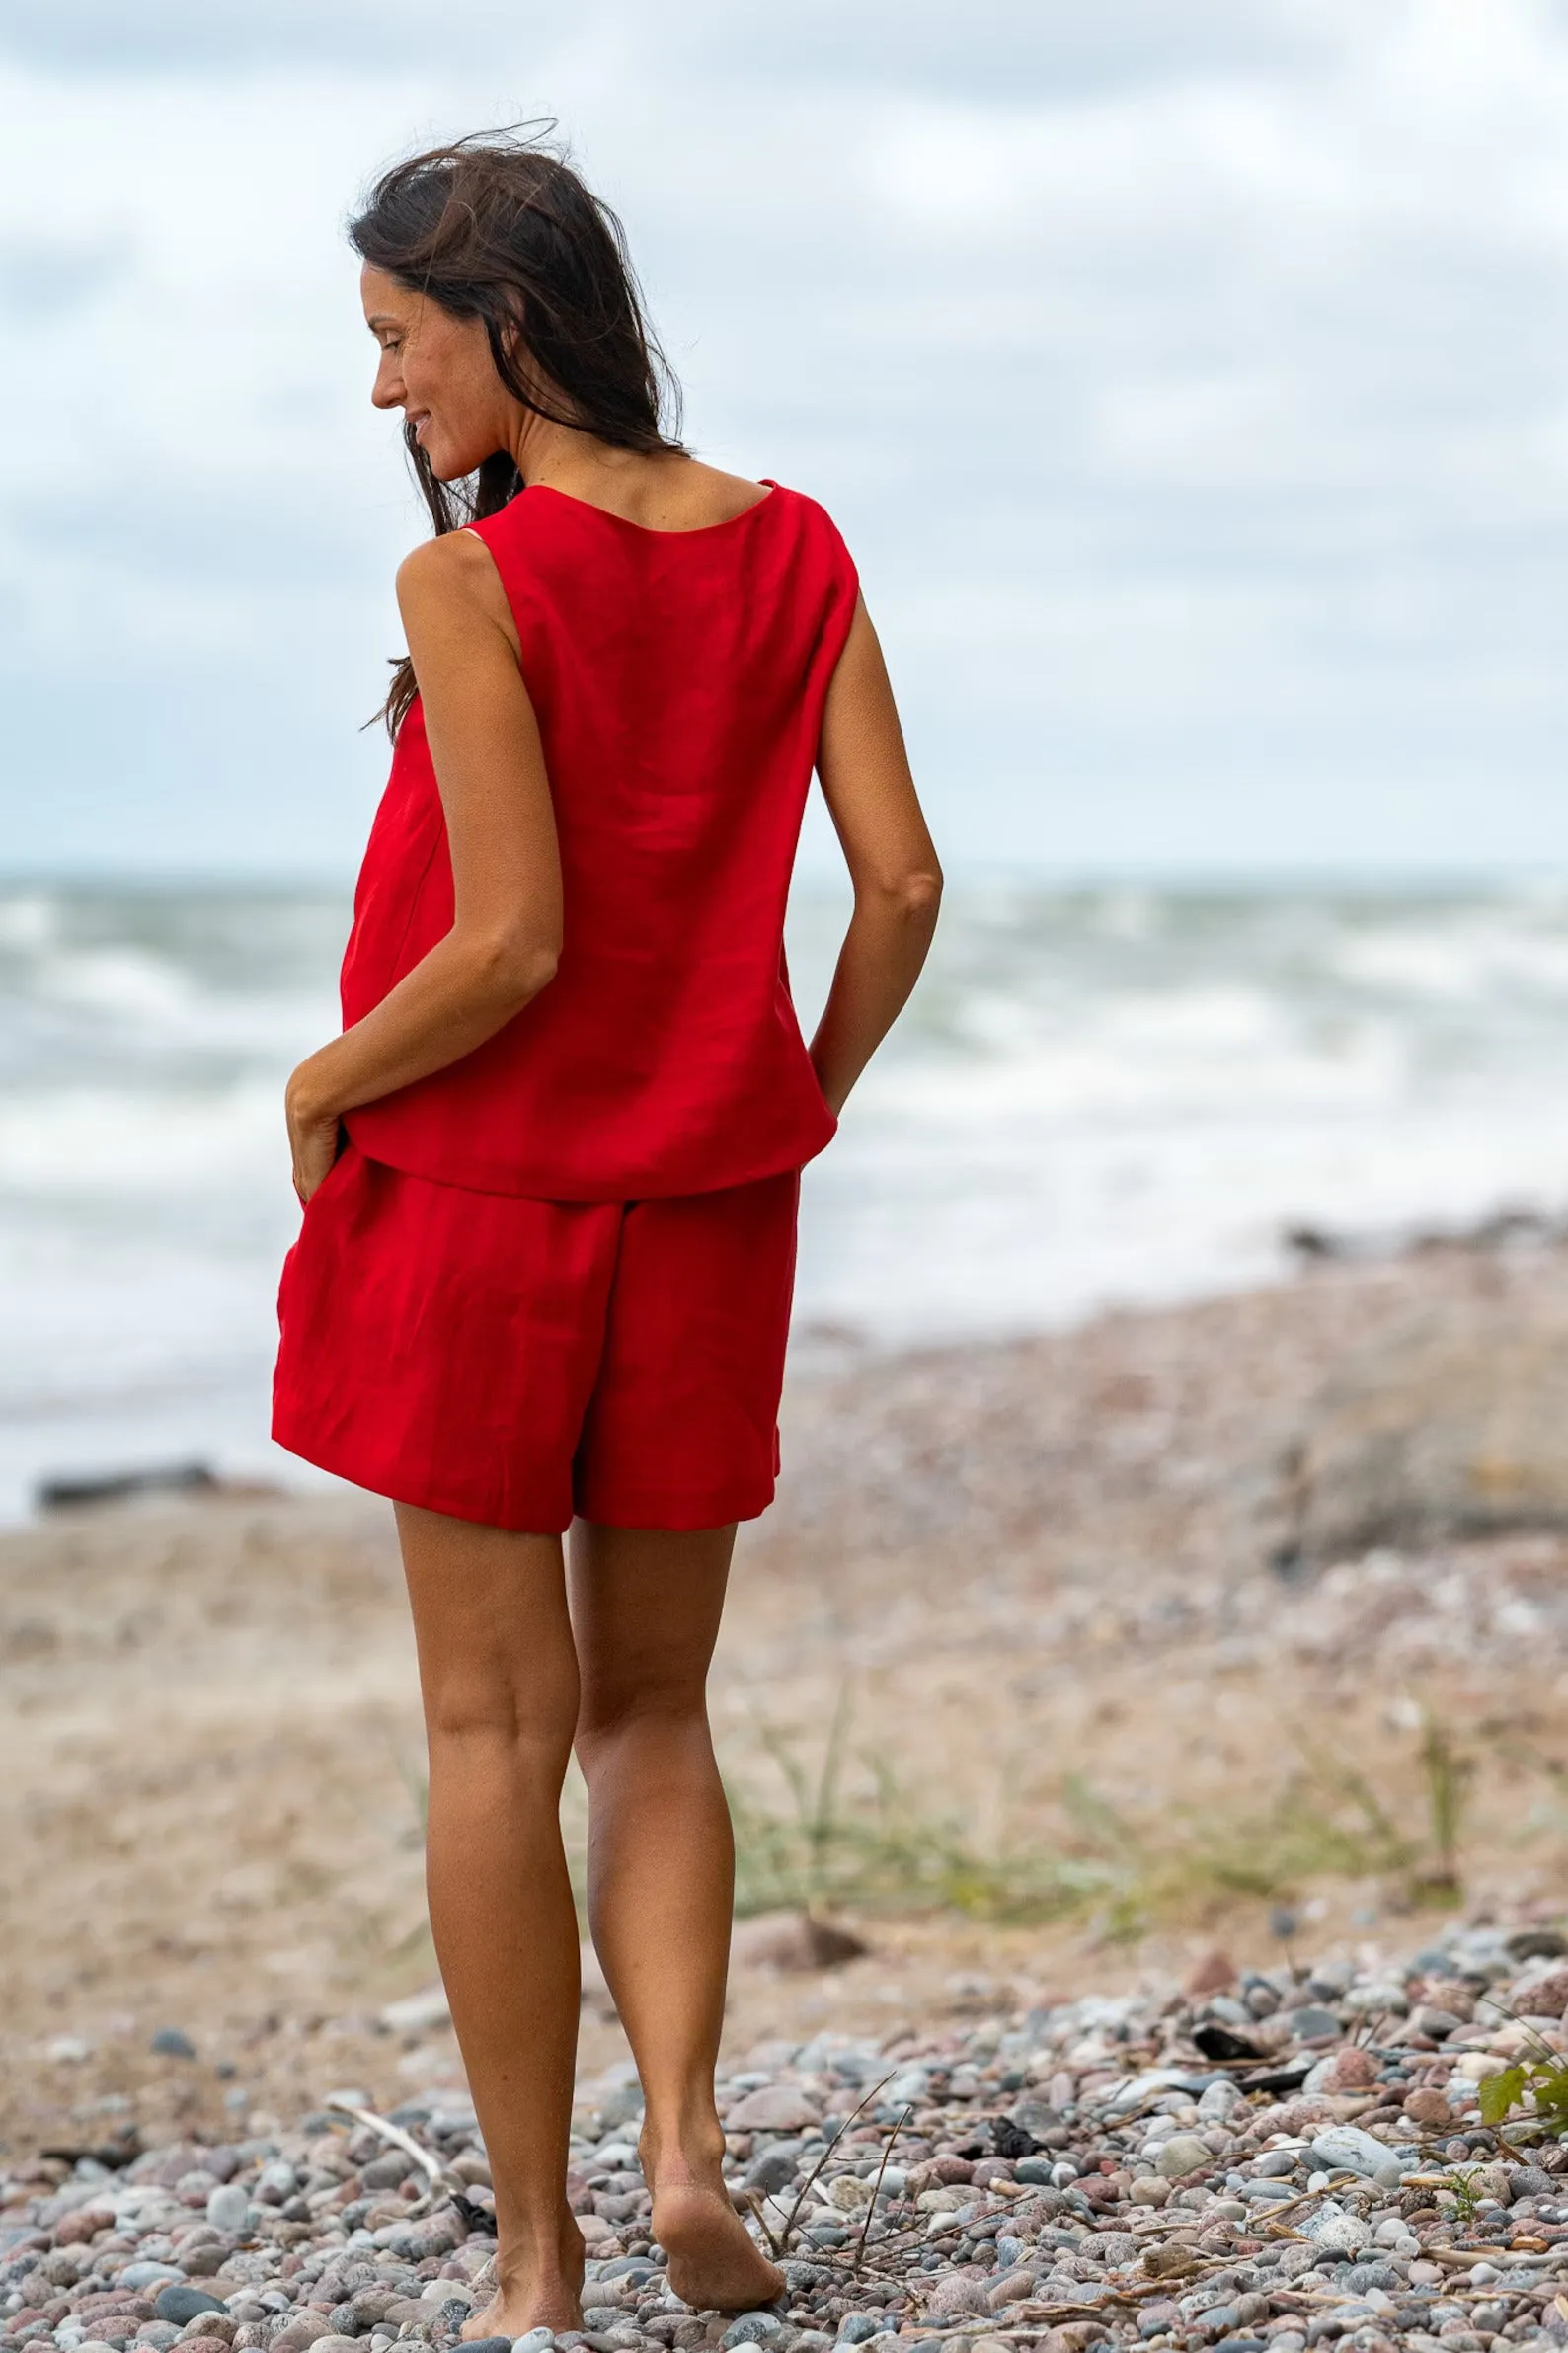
(473, 532)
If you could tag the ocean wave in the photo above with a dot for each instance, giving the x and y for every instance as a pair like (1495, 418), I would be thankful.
(106, 1143)
(1101, 1095)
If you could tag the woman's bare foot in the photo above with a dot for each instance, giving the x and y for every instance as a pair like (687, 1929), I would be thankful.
(715, 2264)
(531, 2294)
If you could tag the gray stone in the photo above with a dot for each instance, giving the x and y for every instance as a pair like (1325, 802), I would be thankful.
(1334, 2231)
(774, 2170)
(1220, 2102)
(621, 2106)
(228, 2208)
(754, 2328)
(1311, 2022)
(141, 2276)
(170, 2043)
(1180, 2155)
(1345, 2147)
(182, 2304)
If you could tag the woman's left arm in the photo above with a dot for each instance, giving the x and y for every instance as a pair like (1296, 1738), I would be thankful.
(505, 934)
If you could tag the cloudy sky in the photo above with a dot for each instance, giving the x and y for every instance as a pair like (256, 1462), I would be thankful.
(1189, 377)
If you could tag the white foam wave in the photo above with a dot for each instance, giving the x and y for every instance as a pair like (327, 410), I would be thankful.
(104, 1143)
(1457, 963)
(1101, 1096)
(1197, 1051)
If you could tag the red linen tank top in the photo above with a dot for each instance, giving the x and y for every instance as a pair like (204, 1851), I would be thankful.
(678, 678)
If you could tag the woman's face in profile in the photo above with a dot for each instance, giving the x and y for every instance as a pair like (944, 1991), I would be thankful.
(438, 370)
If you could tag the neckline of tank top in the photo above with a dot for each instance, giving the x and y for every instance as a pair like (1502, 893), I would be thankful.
(648, 530)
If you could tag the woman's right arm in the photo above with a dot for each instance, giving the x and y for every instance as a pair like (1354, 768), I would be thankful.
(865, 778)
(506, 933)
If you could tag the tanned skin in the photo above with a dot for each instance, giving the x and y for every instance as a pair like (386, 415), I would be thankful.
(528, 1648)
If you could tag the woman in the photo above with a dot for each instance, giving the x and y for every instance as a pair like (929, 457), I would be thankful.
(551, 1164)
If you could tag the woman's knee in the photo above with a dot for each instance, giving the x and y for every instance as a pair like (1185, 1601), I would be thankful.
(488, 1707)
(618, 1702)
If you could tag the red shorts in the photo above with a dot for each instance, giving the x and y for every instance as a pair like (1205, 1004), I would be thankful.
(517, 1362)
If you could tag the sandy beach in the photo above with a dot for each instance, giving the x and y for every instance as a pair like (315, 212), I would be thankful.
(1096, 1710)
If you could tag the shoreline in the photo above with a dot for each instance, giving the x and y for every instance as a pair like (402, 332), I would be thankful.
(1101, 1702)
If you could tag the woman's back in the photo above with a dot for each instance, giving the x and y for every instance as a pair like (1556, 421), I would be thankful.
(678, 672)
(546, 1284)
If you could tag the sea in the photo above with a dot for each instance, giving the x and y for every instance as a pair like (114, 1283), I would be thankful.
(1101, 1096)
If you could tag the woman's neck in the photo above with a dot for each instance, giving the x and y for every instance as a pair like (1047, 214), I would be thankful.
(558, 457)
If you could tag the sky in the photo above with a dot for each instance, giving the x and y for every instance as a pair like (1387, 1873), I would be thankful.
(1190, 378)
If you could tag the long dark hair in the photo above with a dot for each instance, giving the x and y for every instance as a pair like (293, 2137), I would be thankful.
(499, 228)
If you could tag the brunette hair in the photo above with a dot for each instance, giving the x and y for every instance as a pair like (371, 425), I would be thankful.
(499, 227)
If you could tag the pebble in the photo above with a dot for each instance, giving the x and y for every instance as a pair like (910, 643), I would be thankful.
(1083, 2148)
(228, 2208)
(775, 2108)
(1345, 2147)
(181, 2303)
(754, 2328)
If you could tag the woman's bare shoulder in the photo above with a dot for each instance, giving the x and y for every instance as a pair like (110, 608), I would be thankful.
(457, 569)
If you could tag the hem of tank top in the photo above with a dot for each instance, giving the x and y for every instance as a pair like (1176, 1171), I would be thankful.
(648, 530)
(621, 1198)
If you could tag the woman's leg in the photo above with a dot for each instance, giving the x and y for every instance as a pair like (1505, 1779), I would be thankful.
(645, 1606)
(498, 1670)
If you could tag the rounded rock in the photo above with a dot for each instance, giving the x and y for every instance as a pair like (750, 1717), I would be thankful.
(754, 2328)
(953, 2294)
(1351, 2070)
(775, 2108)
(1180, 2155)
(1219, 2101)
(181, 2303)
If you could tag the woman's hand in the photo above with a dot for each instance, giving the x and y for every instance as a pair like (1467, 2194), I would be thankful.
(314, 1134)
